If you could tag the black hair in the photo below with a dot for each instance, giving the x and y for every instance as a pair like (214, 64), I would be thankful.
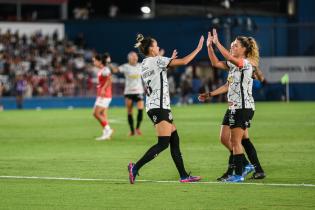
(102, 58)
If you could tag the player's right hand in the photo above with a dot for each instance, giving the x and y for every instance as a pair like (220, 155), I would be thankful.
(200, 43)
(203, 96)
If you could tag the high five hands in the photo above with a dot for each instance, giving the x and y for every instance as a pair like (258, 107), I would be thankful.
(212, 39)
(201, 40)
(199, 47)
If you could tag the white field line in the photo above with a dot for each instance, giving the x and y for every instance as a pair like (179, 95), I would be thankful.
(154, 181)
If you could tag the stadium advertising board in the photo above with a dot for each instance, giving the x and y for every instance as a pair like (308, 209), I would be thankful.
(30, 28)
(299, 69)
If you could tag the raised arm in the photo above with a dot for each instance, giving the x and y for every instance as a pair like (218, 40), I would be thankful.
(113, 68)
(185, 60)
(221, 90)
(226, 54)
(213, 58)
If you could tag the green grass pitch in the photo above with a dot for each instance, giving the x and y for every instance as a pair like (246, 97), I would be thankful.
(60, 143)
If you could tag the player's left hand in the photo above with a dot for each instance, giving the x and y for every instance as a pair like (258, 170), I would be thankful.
(209, 40)
(215, 36)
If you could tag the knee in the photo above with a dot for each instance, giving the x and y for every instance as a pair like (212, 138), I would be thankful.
(164, 142)
(224, 139)
(234, 143)
(95, 114)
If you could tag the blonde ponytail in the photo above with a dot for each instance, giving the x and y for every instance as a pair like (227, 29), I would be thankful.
(253, 51)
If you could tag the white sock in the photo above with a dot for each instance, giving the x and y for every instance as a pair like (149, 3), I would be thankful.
(107, 127)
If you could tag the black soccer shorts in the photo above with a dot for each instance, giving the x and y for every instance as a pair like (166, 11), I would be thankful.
(158, 115)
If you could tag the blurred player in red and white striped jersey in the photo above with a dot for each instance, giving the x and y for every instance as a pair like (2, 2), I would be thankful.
(104, 94)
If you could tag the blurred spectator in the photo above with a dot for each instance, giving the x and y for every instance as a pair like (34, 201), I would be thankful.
(54, 67)
(20, 88)
(186, 89)
(196, 81)
(171, 85)
(1, 90)
(49, 66)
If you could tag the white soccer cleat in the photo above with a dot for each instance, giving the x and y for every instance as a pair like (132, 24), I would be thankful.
(102, 138)
(109, 133)
(106, 135)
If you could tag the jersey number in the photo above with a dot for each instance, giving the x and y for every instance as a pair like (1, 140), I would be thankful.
(148, 88)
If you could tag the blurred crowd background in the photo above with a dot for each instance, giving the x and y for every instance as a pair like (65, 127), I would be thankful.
(40, 64)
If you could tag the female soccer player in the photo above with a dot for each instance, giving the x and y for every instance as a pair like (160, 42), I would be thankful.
(225, 131)
(104, 94)
(133, 90)
(154, 75)
(244, 52)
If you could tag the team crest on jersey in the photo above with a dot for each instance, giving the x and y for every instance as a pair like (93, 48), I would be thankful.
(154, 118)
(231, 120)
(230, 79)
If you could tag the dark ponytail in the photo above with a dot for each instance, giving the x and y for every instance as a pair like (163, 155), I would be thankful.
(143, 44)
(103, 58)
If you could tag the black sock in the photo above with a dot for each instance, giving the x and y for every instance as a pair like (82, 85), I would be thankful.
(231, 165)
(238, 161)
(163, 142)
(245, 161)
(176, 154)
(139, 118)
(130, 121)
(252, 155)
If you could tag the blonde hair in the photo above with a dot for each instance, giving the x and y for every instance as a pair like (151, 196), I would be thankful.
(252, 49)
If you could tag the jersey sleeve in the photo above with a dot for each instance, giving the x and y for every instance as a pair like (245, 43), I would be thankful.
(106, 72)
(122, 68)
(163, 62)
(228, 64)
(246, 65)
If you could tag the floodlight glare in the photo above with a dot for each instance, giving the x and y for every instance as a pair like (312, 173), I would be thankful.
(145, 9)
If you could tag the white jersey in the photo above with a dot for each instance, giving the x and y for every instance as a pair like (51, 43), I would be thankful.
(240, 86)
(154, 75)
(133, 83)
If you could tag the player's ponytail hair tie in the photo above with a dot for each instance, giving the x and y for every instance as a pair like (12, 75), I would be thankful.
(143, 44)
(139, 39)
